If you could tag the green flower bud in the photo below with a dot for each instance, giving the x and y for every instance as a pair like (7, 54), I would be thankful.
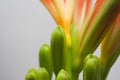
(43, 74)
(91, 69)
(45, 59)
(63, 75)
(57, 46)
(32, 75)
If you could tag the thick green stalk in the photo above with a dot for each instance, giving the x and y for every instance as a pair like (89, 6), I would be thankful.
(74, 40)
(67, 60)
(75, 76)
(71, 50)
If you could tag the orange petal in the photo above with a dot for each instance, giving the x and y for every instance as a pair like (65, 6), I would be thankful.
(52, 9)
(93, 35)
(81, 13)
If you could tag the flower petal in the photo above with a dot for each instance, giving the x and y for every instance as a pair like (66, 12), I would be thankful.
(81, 13)
(51, 8)
(93, 35)
(62, 12)
(101, 23)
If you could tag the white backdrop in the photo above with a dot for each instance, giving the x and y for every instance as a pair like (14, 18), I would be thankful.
(24, 26)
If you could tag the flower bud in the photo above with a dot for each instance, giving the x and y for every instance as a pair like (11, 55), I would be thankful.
(32, 75)
(57, 46)
(91, 69)
(43, 74)
(45, 59)
(63, 75)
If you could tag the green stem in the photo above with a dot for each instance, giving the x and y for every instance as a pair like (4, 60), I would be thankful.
(67, 60)
(75, 76)
(104, 75)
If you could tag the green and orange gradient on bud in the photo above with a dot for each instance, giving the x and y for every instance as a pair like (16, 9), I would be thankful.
(83, 25)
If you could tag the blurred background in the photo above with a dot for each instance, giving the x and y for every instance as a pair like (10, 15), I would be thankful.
(24, 26)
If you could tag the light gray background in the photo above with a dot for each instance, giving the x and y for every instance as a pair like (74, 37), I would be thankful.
(24, 26)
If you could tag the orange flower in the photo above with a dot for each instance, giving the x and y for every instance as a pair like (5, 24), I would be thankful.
(62, 12)
(92, 20)
(94, 29)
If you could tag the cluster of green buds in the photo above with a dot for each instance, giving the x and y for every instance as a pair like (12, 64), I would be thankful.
(81, 27)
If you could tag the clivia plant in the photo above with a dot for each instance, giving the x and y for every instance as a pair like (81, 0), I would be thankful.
(81, 27)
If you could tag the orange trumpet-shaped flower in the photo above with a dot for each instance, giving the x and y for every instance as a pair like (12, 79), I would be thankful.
(67, 12)
(93, 22)
(62, 12)
(96, 27)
